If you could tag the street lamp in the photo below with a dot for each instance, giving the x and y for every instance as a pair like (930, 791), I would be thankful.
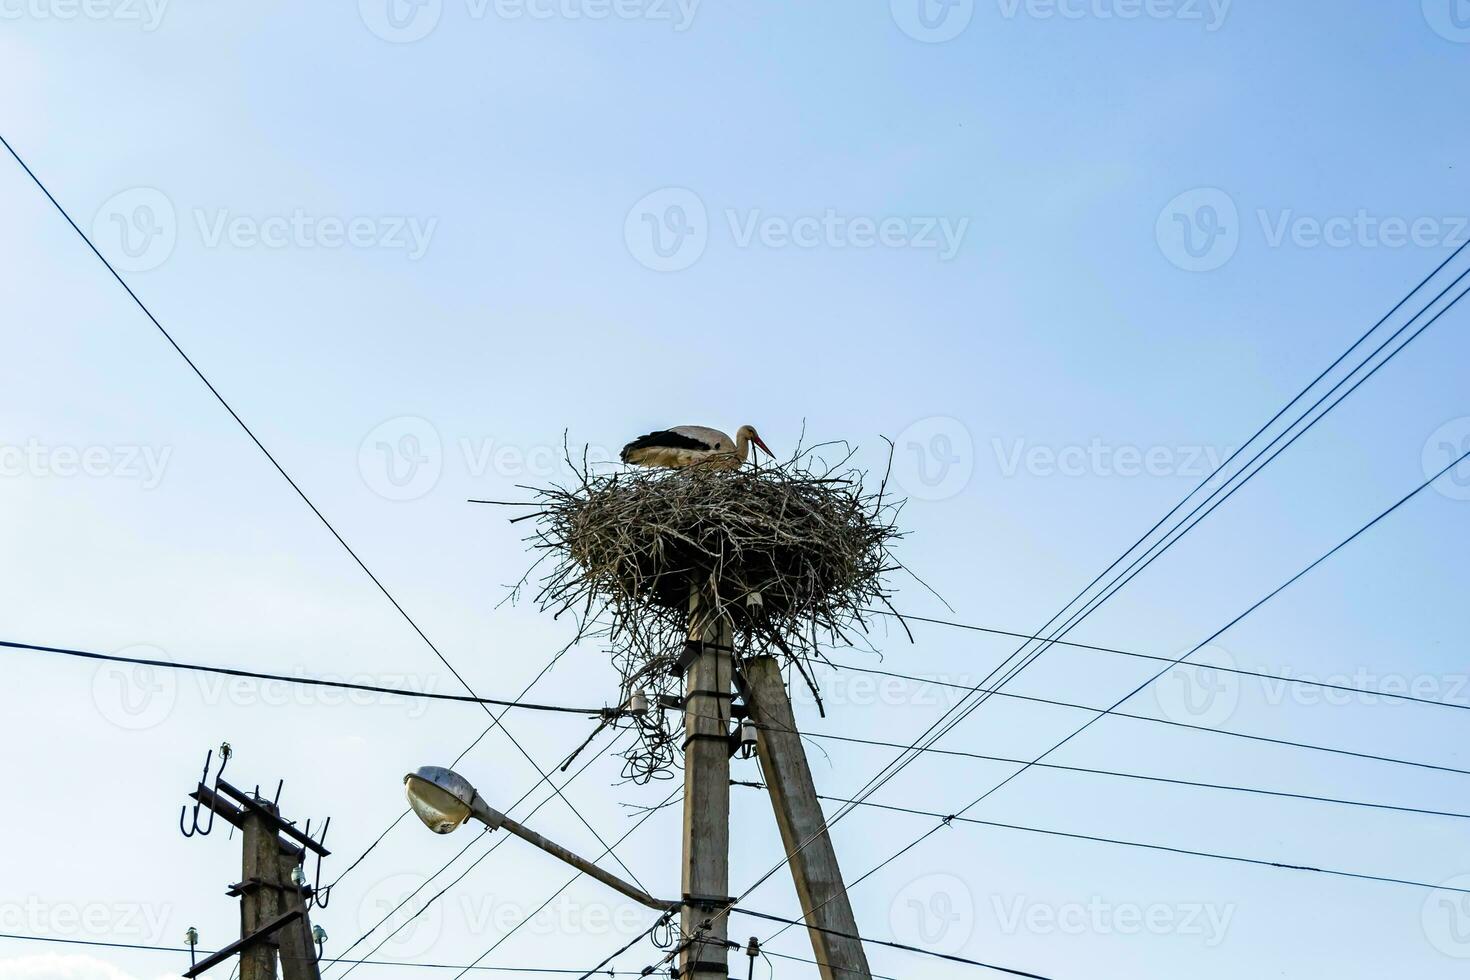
(443, 800)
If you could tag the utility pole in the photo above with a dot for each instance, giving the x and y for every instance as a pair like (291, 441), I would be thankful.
(708, 681)
(274, 921)
(818, 879)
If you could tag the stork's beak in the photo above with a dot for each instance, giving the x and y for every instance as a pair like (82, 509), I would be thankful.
(761, 443)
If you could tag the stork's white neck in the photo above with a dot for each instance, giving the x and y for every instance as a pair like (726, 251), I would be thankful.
(742, 444)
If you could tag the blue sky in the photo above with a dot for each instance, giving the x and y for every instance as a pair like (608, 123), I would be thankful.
(1034, 243)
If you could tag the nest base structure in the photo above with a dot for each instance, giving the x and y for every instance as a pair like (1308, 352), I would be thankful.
(794, 556)
(786, 553)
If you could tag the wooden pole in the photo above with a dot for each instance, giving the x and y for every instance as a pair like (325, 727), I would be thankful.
(298, 952)
(708, 682)
(260, 893)
(813, 860)
(274, 922)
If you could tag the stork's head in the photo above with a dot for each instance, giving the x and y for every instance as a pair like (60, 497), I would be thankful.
(748, 432)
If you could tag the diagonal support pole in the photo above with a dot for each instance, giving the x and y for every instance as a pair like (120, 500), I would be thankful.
(813, 861)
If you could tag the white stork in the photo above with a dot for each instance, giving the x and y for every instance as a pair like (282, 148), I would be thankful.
(691, 445)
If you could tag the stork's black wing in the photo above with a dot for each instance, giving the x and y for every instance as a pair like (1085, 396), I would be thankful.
(665, 440)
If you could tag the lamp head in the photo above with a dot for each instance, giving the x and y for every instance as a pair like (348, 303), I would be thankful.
(442, 798)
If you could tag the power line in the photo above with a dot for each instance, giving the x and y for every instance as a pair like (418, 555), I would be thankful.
(1011, 971)
(1256, 605)
(892, 945)
(325, 960)
(946, 819)
(298, 680)
(624, 948)
(304, 681)
(1266, 739)
(484, 832)
(812, 962)
(1209, 504)
(518, 704)
(1145, 778)
(234, 415)
(496, 721)
(1159, 658)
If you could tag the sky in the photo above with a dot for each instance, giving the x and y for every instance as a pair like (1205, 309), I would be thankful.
(1066, 254)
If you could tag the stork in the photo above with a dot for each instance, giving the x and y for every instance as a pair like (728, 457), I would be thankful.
(691, 445)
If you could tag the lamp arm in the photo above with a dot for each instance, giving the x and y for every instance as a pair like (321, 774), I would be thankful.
(495, 820)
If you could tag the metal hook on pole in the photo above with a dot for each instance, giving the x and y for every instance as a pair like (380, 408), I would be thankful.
(321, 896)
(194, 828)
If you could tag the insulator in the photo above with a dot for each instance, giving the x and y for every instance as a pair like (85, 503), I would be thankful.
(748, 735)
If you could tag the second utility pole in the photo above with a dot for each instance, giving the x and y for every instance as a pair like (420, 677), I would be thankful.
(708, 692)
(274, 921)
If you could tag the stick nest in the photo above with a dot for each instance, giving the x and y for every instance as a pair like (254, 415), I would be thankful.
(795, 554)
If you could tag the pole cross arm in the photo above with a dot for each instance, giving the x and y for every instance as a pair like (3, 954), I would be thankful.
(247, 802)
(215, 959)
(234, 816)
